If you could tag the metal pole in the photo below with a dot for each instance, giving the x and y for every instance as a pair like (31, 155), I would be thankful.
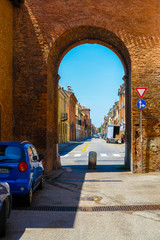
(141, 141)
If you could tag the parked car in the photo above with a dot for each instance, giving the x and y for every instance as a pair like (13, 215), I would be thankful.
(21, 167)
(5, 206)
(96, 135)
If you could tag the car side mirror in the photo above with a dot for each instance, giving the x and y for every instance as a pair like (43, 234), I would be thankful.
(35, 158)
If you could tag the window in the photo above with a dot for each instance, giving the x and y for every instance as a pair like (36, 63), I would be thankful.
(35, 153)
(10, 153)
(32, 153)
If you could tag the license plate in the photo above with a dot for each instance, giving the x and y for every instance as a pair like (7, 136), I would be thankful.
(4, 171)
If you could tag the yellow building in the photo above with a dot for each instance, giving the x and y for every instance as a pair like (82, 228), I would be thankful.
(116, 113)
(6, 67)
(86, 121)
(78, 122)
(63, 116)
(83, 122)
(121, 94)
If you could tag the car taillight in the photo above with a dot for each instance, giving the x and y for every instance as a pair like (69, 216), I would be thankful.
(22, 166)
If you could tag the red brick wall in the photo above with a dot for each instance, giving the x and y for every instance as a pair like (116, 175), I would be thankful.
(51, 28)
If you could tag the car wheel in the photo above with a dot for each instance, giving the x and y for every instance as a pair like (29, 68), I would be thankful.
(29, 198)
(41, 184)
(3, 221)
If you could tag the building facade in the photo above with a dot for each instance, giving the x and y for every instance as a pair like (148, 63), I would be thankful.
(86, 122)
(63, 120)
(121, 94)
(78, 122)
(72, 114)
(6, 69)
(116, 113)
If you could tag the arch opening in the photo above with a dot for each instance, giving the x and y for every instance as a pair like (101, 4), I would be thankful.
(67, 41)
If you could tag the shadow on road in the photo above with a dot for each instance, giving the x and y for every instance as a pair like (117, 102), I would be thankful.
(65, 148)
(56, 206)
(100, 168)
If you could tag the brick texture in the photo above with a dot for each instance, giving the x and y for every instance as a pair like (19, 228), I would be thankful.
(45, 30)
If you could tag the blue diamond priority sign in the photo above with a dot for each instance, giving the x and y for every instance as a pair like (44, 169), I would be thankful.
(141, 104)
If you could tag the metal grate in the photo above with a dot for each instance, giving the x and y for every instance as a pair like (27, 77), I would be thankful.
(132, 208)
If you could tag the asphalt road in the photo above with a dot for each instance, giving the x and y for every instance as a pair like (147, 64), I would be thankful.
(77, 203)
(109, 155)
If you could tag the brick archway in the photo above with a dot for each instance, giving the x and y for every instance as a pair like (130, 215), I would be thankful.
(68, 40)
(44, 32)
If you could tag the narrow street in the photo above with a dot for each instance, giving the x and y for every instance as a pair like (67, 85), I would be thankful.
(77, 203)
(109, 156)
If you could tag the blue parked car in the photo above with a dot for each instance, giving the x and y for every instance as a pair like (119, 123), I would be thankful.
(5, 206)
(21, 168)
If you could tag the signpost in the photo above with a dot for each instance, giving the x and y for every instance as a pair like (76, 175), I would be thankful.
(141, 104)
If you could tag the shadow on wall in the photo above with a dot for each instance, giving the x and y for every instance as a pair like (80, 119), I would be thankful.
(30, 88)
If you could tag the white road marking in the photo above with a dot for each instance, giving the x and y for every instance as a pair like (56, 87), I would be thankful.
(77, 155)
(103, 154)
(116, 155)
(65, 155)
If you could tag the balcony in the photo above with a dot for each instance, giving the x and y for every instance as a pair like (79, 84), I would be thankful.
(64, 117)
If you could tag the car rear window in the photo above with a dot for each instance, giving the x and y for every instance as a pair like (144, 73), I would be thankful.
(11, 153)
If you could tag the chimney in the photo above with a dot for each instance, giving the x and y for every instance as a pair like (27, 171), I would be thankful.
(69, 88)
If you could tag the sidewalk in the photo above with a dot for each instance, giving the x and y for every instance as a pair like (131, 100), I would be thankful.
(83, 204)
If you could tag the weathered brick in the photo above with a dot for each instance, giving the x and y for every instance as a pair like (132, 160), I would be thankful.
(43, 33)
(6, 69)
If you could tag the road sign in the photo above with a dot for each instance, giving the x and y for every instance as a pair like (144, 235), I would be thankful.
(141, 104)
(141, 91)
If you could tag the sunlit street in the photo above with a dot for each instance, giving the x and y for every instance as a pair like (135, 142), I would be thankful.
(78, 203)
(109, 156)
(79, 120)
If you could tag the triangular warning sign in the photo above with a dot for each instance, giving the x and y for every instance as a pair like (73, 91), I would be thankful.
(141, 91)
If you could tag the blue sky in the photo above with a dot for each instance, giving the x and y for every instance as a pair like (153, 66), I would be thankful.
(94, 73)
